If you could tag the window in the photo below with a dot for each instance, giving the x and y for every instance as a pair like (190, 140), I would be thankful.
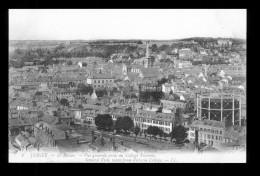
(107, 81)
(208, 130)
(212, 131)
(205, 130)
(98, 81)
(208, 136)
(216, 137)
(110, 80)
(216, 131)
(220, 132)
(212, 137)
(103, 81)
(201, 129)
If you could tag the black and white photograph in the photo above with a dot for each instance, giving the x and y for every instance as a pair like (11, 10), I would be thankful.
(127, 85)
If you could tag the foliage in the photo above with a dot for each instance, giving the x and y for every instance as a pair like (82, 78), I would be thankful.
(163, 47)
(137, 130)
(124, 123)
(69, 62)
(178, 117)
(80, 107)
(179, 133)
(151, 96)
(159, 109)
(101, 92)
(55, 113)
(154, 131)
(64, 102)
(38, 93)
(104, 121)
(154, 48)
(84, 89)
(162, 81)
(84, 64)
(118, 124)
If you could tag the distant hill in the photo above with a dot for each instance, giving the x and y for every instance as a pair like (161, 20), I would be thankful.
(236, 41)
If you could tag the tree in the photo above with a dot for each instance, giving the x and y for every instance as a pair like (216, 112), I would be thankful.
(55, 113)
(118, 123)
(56, 62)
(165, 135)
(101, 92)
(159, 109)
(69, 62)
(83, 89)
(154, 48)
(124, 123)
(104, 121)
(137, 130)
(178, 116)
(154, 131)
(18, 51)
(34, 103)
(179, 133)
(163, 47)
(64, 102)
(162, 81)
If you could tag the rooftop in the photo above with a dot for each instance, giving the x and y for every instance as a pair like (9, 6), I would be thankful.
(102, 76)
(206, 122)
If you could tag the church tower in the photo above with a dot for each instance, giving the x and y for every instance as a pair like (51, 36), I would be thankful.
(147, 50)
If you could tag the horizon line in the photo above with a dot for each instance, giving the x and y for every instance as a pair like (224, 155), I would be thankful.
(122, 39)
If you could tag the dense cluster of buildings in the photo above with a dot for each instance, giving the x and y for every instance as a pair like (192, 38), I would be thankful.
(211, 98)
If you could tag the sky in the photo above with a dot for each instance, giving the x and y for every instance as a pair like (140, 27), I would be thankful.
(92, 24)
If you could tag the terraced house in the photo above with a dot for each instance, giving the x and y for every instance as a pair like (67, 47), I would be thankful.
(164, 121)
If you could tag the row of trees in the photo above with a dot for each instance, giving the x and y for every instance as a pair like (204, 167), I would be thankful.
(125, 124)
(20, 56)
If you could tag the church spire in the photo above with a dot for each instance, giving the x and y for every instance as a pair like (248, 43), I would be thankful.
(147, 49)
